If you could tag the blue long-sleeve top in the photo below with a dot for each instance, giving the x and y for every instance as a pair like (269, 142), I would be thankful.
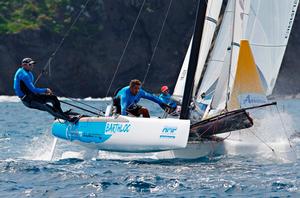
(28, 79)
(127, 98)
(166, 98)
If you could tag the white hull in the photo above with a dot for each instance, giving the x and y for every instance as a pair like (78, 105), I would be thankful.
(125, 134)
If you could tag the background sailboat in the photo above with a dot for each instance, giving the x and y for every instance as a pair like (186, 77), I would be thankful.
(228, 87)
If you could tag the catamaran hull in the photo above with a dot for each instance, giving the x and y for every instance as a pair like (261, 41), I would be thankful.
(193, 150)
(143, 135)
(125, 134)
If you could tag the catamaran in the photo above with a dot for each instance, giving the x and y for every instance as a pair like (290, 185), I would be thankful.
(230, 67)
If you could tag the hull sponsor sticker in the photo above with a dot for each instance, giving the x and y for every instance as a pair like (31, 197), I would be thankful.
(168, 132)
(112, 128)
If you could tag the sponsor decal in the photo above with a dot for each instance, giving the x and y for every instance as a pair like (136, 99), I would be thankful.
(95, 132)
(167, 136)
(291, 19)
(169, 129)
(168, 132)
(249, 100)
(77, 135)
(112, 128)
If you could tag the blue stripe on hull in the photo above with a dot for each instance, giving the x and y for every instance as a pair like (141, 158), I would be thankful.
(88, 132)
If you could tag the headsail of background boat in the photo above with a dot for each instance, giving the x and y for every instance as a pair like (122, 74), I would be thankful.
(267, 25)
(247, 89)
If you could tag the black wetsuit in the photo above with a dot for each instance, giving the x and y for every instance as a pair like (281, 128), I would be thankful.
(39, 101)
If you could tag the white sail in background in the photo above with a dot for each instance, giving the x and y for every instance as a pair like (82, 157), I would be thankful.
(268, 29)
(217, 57)
(179, 87)
(220, 96)
(211, 21)
(212, 15)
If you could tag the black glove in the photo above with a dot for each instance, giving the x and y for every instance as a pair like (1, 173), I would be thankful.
(167, 108)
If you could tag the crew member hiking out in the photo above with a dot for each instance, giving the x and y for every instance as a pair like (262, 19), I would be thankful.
(165, 97)
(127, 98)
(36, 98)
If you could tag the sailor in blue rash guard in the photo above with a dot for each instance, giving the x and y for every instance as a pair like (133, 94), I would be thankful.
(33, 97)
(165, 97)
(127, 98)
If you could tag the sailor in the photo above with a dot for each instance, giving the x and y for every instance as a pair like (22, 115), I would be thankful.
(36, 98)
(203, 104)
(165, 96)
(126, 100)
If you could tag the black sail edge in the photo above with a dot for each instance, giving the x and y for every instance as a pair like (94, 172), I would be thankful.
(196, 43)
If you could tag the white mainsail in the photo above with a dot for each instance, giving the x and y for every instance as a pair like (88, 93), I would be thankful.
(212, 14)
(219, 99)
(217, 57)
(211, 21)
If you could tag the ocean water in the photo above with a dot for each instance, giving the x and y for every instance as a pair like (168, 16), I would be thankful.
(25, 169)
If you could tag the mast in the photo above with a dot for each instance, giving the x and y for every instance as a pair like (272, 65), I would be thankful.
(196, 43)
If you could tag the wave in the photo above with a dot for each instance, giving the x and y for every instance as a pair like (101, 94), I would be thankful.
(9, 99)
(97, 99)
(17, 99)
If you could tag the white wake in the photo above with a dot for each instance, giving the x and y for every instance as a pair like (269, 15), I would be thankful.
(270, 138)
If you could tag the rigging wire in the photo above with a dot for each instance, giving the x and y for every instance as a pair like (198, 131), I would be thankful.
(283, 126)
(157, 42)
(284, 129)
(264, 142)
(92, 112)
(76, 101)
(125, 48)
(47, 65)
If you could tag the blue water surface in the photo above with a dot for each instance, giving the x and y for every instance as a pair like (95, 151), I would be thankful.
(25, 143)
